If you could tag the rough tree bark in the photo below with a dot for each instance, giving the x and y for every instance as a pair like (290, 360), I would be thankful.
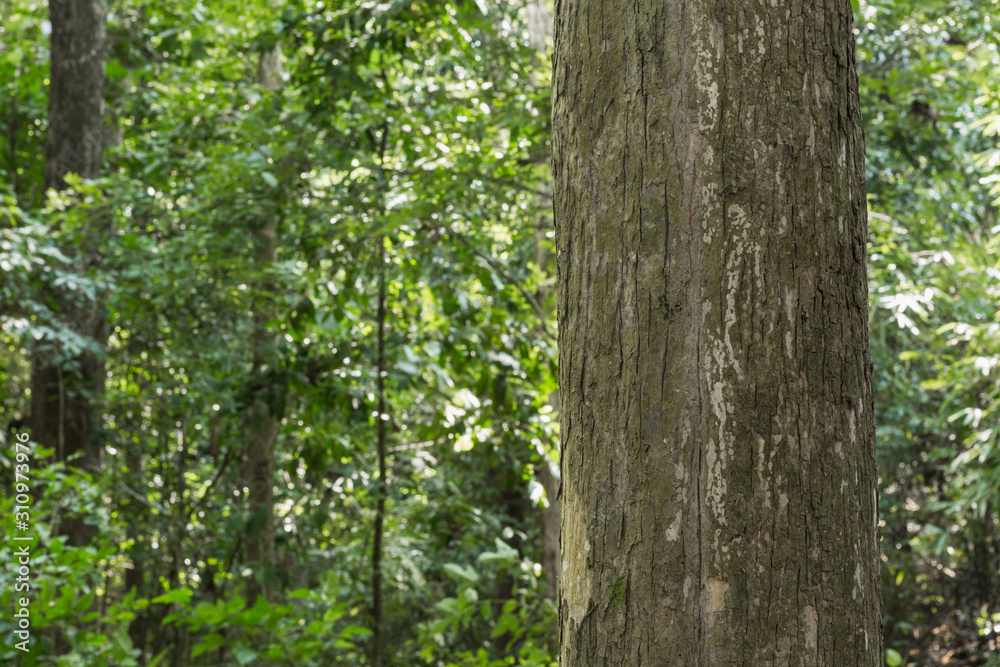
(718, 470)
(65, 395)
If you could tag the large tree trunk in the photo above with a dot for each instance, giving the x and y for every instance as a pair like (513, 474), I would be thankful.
(65, 396)
(718, 466)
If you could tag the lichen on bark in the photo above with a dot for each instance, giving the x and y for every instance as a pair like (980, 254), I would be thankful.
(715, 381)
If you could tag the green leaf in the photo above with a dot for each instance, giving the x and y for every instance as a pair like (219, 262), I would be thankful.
(352, 630)
(235, 605)
(114, 70)
(503, 555)
(254, 615)
(408, 368)
(933, 384)
(181, 595)
(449, 606)
(303, 594)
(244, 655)
(893, 658)
(83, 604)
(460, 573)
(210, 642)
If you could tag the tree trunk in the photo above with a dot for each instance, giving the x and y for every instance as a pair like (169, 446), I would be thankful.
(262, 420)
(263, 416)
(381, 488)
(718, 462)
(65, 395)
(74, 140)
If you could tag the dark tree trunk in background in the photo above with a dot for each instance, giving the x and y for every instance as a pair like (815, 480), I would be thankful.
(381, 487)
(262, 421)
(550, 529)
(718, 461)
(539, 29)
(65, 395)
(76, 90)
(263, 416)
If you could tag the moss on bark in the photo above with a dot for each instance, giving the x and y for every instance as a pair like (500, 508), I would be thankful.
(717, 416)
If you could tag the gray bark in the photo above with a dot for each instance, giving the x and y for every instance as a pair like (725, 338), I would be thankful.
(718, 468)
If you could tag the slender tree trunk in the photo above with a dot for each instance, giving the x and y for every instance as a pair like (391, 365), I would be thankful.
(180, 513)
(718, 466)
(66, 394)
(381, 488)
(263, 416)
(262, 427)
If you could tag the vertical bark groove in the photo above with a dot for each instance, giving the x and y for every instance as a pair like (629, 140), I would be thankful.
(718, 466)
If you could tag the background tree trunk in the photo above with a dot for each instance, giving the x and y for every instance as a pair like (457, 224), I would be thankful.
(540, 22)
(382, 487)
(65, 394)
(267, 397)
(550, 529)
(74, 141)
(718, 464)
(262, 423)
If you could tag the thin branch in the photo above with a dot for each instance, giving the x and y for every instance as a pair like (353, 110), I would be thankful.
(222, 468)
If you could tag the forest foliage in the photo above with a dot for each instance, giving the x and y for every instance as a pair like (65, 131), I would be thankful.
(401, 159)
